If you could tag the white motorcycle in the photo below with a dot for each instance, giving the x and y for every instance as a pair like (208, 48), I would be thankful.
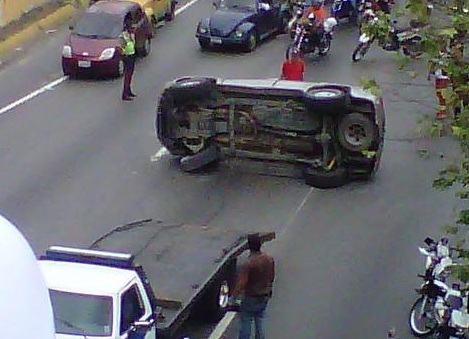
(451, 315)
(422, 317)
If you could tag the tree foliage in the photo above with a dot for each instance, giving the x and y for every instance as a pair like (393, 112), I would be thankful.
(443, 42)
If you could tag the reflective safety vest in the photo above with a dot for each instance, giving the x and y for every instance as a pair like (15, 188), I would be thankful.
(129, 43)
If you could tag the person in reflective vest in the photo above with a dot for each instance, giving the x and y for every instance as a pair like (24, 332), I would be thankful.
(128, 56)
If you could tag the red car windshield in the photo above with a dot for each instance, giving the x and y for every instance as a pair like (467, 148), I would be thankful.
(99, 26)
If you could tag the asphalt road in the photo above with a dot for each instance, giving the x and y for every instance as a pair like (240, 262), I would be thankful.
(77, 161)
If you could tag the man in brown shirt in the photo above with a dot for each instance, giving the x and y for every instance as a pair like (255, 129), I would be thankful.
(254, 282)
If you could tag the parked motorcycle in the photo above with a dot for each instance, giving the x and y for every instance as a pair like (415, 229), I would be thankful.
(423, 318)
(307, 41)
(407, 39)
(451, 315)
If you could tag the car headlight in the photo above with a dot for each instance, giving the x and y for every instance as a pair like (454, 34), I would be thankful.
(238, 33)
(107, 54)
(67, 51)
(203, 29)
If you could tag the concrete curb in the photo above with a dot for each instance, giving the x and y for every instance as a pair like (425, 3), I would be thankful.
(18, 40)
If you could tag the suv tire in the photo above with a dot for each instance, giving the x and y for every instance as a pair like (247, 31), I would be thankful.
(189, 89)
(328, 99)
(321, 178)
(356, 132)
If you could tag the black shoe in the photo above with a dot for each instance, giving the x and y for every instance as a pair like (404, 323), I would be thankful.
(127, 98)
(132, 95)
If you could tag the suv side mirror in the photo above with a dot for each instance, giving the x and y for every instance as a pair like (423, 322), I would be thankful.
(70, 27)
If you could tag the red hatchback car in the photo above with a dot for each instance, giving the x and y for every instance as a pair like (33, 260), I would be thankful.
(92, 46)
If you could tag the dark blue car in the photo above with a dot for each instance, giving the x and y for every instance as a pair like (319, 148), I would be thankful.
(243, 23)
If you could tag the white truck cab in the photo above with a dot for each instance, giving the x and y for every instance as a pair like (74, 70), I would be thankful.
(96, 294)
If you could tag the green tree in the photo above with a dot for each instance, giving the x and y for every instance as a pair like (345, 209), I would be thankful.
(444, 40)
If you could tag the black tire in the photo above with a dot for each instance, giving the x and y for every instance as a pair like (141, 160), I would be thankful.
(170, 15)
(420, 333)
(414, 48)
(360, 52)
(191, 89)
(356, 132)
(146, 48)
(328, 100)
(321, 178)
(283, 28)
(327, 47)
(204, 44)
(251, 43)
(214, 303)
(120, 68)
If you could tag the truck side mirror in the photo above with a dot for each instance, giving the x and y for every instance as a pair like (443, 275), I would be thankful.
(144, 324)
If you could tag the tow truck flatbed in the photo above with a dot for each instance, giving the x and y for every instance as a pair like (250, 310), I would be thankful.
(184, 269)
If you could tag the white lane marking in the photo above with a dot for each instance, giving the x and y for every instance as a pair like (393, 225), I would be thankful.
(226, 321)
(183, 8)
(222, 325)
(54, 83)
(297, 211)
(158, 155)
(48, 87)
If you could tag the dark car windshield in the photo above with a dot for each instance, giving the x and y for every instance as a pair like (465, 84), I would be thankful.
(80, 314)
(251, 4)
(99, 26)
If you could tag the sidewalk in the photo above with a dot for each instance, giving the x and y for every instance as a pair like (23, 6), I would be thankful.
(15, 36)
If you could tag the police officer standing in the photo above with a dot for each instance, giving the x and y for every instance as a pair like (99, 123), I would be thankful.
(128, 56)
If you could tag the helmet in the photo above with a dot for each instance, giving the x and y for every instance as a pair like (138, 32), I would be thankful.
(311, 18)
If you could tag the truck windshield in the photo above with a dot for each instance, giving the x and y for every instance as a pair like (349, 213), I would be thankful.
(81, 314)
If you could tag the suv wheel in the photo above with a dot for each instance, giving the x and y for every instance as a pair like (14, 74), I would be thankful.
(322, 178)
(356, 132)
(189, 89)
(328, 98)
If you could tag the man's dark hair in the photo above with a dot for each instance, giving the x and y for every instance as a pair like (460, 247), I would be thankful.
(254, 242)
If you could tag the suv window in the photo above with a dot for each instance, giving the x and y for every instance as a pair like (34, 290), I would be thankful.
(132, 308)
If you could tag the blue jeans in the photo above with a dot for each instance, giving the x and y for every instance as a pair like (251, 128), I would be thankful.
(252, 308)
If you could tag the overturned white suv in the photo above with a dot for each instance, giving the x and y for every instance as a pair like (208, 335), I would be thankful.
(333, 133)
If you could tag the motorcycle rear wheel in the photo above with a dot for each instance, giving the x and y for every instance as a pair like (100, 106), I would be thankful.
(422, 325)
(323, 50)
(360, 52)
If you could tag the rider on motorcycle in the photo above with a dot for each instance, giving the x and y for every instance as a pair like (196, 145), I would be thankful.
(317, 8)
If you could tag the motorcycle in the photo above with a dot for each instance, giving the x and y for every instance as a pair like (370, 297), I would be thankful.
(407, 39)
(307, 41)
(299, 10)
(430, 312)
(451, 315)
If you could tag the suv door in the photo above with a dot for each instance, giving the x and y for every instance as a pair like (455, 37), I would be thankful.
(134, 308)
